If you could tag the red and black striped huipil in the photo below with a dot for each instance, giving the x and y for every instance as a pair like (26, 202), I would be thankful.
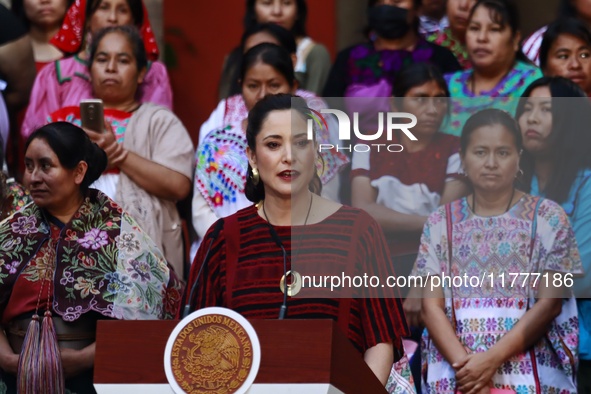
(348, 241)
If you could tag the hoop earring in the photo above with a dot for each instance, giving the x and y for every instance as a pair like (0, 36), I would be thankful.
(519, 173)
(256, 177)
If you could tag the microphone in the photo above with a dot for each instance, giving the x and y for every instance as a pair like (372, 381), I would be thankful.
(275, 236)
(214, 234)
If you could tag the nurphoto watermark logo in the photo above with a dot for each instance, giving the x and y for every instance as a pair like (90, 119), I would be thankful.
(387, 122)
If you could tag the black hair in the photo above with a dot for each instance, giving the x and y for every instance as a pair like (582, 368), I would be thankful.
(71, 145)
(283, 36)
(18, 8)
(567, 9)
(413, 75)
(505, 13)
(272, 55)
(572, 26)
(135, 6)
(490, 117)
(416, 3)
(299, 26)
(570, 138)
(416, 24)
(132, 35)
(256, 117)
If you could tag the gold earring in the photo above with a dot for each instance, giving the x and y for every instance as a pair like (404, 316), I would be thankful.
(319, 165)
(256, 177)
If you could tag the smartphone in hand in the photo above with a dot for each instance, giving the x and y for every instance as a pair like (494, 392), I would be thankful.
(92, 115)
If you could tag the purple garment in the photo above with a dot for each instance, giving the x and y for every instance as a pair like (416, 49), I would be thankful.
(367, 66)
(67, 81)
(371, 74)
(4, 124)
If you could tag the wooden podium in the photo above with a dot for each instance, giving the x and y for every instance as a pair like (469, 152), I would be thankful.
(297, 356)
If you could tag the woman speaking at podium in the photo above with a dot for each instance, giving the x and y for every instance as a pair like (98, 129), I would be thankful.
(244, 257)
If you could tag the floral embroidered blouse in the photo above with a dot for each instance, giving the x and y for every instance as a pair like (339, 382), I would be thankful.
(16, 198)
(502, 246)
(446, 39)
(504, 96)
(101, 261)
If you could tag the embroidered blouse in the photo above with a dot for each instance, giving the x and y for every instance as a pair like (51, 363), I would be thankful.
(504, 96)
(103, 263)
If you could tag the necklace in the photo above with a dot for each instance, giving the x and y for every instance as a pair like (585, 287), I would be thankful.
(506, 209)
(296, 283)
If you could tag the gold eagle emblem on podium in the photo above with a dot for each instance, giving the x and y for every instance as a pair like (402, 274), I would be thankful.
(212, 355)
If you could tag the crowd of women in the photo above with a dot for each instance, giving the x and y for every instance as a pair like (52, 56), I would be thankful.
(495, 182)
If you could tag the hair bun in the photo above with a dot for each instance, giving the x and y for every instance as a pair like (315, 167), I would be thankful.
(96, 158)
(72, 145)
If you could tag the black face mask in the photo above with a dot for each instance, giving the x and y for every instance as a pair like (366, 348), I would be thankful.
(388, 21)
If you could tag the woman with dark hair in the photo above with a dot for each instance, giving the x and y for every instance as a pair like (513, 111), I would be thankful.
(43, 19)
(67, 81)
(253, 36)
(149, 150)
(453, 37)
(498, 333)
(499, 71)
(233, 109)
(70, 258)
(313, 60)
(554, 117)
(566, 52)
(399, 190)
(580, 9)
(369, 69)
(221, 160)
(291, 226)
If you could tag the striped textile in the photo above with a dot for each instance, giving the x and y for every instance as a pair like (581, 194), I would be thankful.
(347, 241)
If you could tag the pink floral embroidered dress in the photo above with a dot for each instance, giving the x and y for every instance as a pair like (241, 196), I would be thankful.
(67, 81)
(502, 245)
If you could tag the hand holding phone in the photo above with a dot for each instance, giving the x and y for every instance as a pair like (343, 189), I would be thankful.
(92, 115)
